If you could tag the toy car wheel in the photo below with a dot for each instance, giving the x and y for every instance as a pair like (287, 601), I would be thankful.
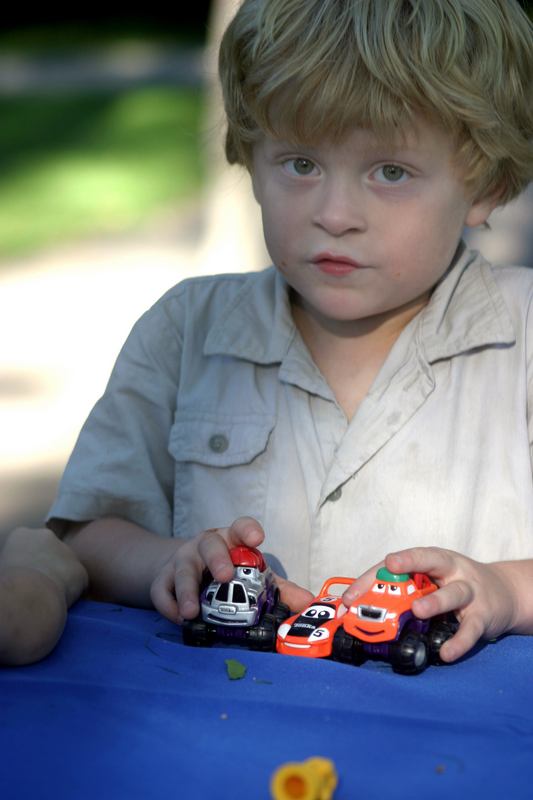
(281, 612)
(439, 632)
(195, 633)
(409, 655)
(347, 648)
(263, 635)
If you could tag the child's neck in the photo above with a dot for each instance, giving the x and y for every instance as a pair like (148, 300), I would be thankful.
(350, 354)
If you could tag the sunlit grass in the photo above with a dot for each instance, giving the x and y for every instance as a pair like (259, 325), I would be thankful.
(78, 166)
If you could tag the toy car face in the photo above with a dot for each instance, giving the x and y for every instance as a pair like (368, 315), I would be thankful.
(237, 603)
(378, 615)
(311, 632)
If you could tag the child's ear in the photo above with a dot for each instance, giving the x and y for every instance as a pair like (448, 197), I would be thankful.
(482, 207)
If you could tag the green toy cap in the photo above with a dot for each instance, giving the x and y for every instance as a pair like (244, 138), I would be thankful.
(383, 574)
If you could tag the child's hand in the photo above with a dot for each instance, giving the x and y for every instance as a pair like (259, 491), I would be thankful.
(176, 589)
(483, 596)
(41, 550)
(40, 577)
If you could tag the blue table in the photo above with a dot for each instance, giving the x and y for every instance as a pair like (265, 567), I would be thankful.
(122, 709)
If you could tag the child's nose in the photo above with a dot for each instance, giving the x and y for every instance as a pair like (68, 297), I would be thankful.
(340, 208)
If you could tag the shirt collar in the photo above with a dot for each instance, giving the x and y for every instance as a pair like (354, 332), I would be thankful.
(466, 311)
(257, 324)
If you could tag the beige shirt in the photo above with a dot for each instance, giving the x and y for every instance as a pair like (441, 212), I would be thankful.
(215, 409)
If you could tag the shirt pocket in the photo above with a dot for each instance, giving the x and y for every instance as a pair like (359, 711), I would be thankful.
(221, 469)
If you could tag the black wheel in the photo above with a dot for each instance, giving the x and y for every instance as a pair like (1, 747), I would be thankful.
(347, 648)
(281, 612)
(439, 632)
(263, 635)
(195, 633)
(410, 654)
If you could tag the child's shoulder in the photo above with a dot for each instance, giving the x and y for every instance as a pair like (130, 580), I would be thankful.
(515, 284)
(216, 288)
(473, 276)
(477, 305)
(512, 276)
(510, 289)
(197, 303)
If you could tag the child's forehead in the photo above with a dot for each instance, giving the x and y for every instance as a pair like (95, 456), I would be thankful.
(415, 135)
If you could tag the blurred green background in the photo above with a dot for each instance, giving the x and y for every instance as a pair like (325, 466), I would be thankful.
(85, 165)
(92, 160)
(83, 162)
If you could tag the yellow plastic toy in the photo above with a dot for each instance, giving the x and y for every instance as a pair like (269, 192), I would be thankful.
(314, 779)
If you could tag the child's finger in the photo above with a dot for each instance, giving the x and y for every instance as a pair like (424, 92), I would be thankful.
(187, 580)
(469, 633)
(296, 598)
(214, 545)
(435, 561)
(213, 549)
(361, 585)
(452, 597)
(245, 531)
(164, 599)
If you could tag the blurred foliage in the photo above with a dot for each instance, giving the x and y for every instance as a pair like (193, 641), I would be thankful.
(72, 38)
(70, 28)
(91, 164)
(80, 165)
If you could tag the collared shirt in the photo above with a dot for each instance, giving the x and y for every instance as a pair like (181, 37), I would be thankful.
(215, 409)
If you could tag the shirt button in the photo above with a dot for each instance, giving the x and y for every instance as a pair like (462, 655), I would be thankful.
(218, 443)
(336, 495)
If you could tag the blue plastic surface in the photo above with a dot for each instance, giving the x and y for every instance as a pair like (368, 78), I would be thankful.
(122, 709)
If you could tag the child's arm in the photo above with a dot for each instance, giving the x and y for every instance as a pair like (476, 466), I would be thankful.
(40, 577)
(488, 599)
(128, 564)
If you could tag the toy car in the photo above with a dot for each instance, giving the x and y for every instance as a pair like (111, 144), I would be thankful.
(382, 626)
(311, 632)
(245, 611)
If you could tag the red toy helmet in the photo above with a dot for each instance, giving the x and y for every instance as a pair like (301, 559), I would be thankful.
(247, 557)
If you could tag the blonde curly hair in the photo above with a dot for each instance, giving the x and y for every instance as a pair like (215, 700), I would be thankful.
(303, 71)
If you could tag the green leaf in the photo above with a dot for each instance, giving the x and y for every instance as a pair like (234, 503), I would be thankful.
(236, 670)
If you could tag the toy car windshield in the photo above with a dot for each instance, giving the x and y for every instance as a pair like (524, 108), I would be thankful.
(382, 626)
(244, 611)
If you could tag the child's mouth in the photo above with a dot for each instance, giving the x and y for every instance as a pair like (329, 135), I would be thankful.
(335, 265)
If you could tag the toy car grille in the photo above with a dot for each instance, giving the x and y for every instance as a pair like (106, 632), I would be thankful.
(234, 622)
(238, 593)
(222, 593)
(371, 613)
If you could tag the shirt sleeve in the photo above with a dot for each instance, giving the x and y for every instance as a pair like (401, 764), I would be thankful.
(120, 465)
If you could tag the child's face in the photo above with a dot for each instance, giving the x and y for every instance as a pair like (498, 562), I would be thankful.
(359, 229)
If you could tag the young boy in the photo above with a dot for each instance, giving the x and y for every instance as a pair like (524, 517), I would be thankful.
(368, 393)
